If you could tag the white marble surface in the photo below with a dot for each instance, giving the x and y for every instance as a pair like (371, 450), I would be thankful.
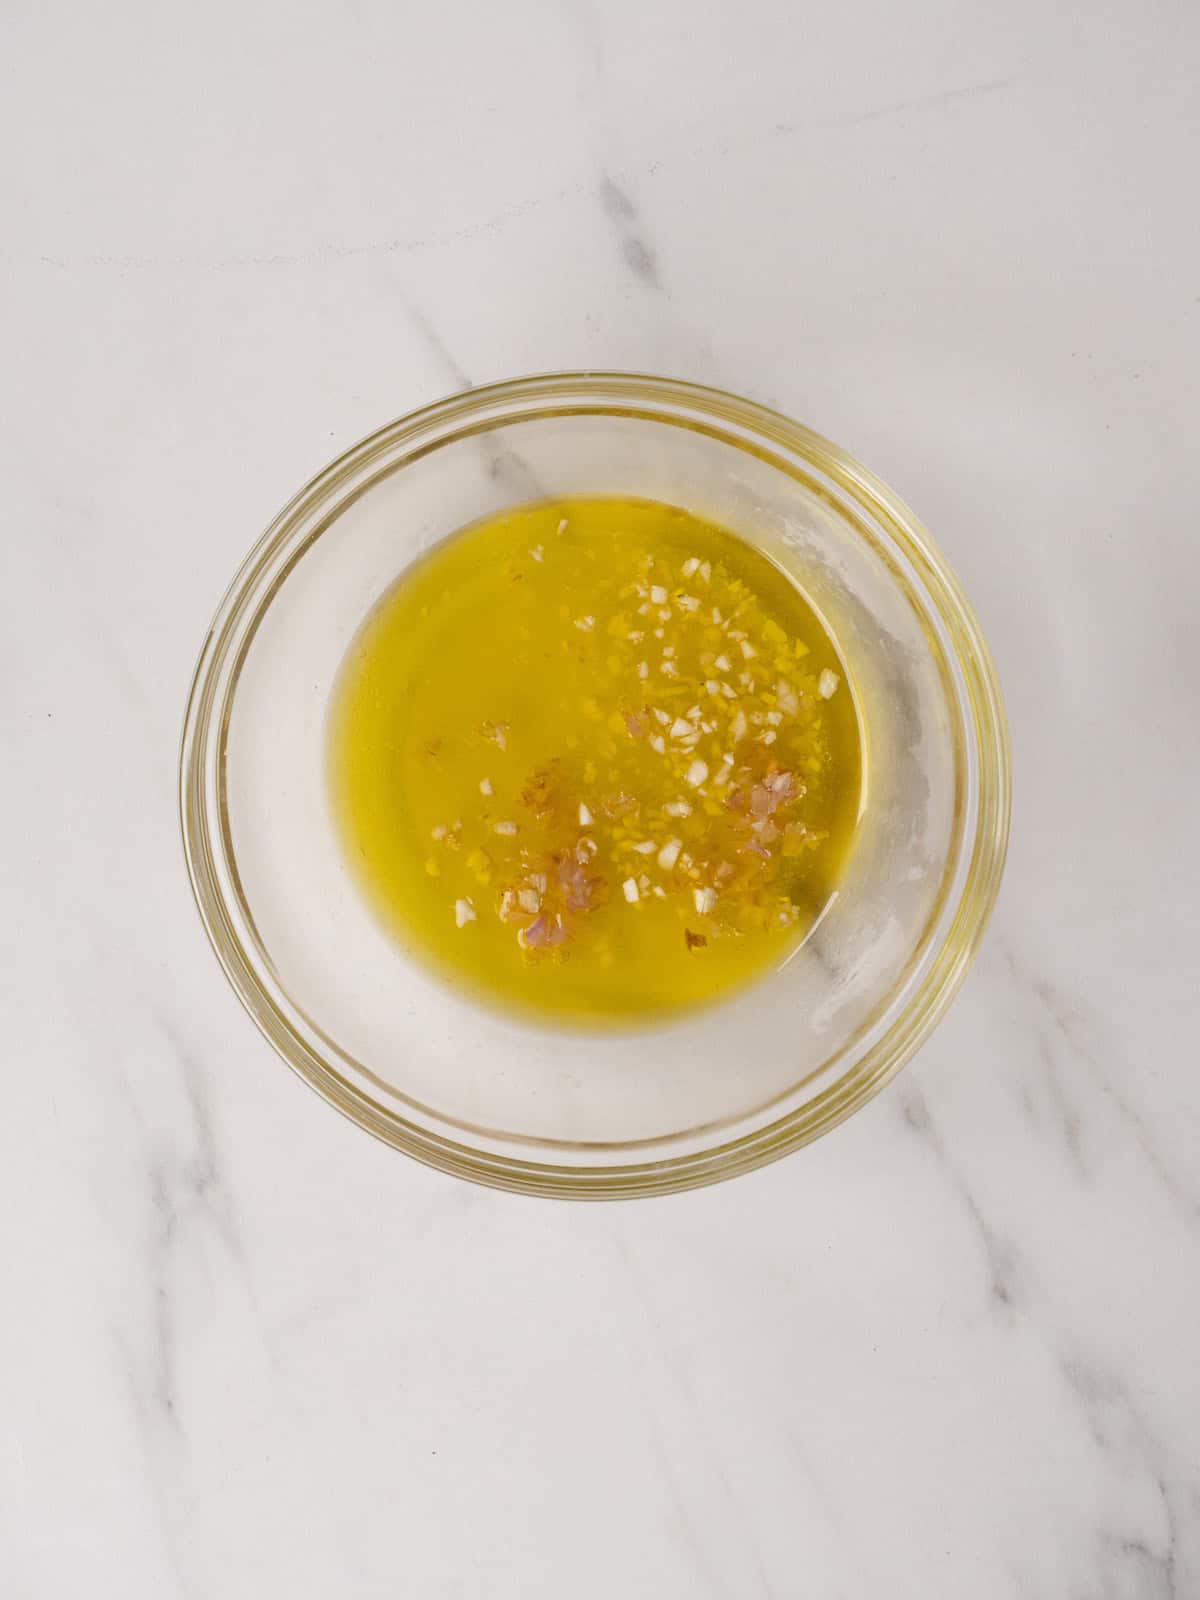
(952, 1349)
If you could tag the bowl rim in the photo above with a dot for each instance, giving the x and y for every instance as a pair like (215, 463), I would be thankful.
(599, 392)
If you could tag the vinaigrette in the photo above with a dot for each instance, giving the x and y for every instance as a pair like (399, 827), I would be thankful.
(596, 759)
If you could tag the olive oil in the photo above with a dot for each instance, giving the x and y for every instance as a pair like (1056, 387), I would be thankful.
(596, 759)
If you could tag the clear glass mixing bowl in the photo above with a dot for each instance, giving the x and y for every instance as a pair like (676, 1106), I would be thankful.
(583, 1114)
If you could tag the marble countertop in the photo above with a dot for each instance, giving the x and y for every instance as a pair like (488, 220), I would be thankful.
(951, 1349)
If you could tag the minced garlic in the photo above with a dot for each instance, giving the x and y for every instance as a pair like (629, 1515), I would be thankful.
(634, 798)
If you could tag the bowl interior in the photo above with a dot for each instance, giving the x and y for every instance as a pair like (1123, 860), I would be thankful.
(398, 1046)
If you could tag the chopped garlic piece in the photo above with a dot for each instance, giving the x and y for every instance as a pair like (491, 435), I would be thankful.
(440, 831)
(737, 728)
(538, 552)
(506, 828)
(827, 684)
(585, 816)
(464, 912)
(643, 669)
(645, 847)
(705, 900)
(529, 900)
(663, 716)
(681, 729)
(585, 624)
(485, 786)
(678, 808)
(630, 890)
(658, 744)
(697, 773)
(562, 527)
(669, 854)
(748, 650)
(658, 595)
(722, 664)
(480, 863)
(689, 566)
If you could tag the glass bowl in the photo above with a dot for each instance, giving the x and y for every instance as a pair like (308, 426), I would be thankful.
(594, 1114)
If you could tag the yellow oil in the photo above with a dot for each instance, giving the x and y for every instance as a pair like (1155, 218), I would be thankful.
(596, 759)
